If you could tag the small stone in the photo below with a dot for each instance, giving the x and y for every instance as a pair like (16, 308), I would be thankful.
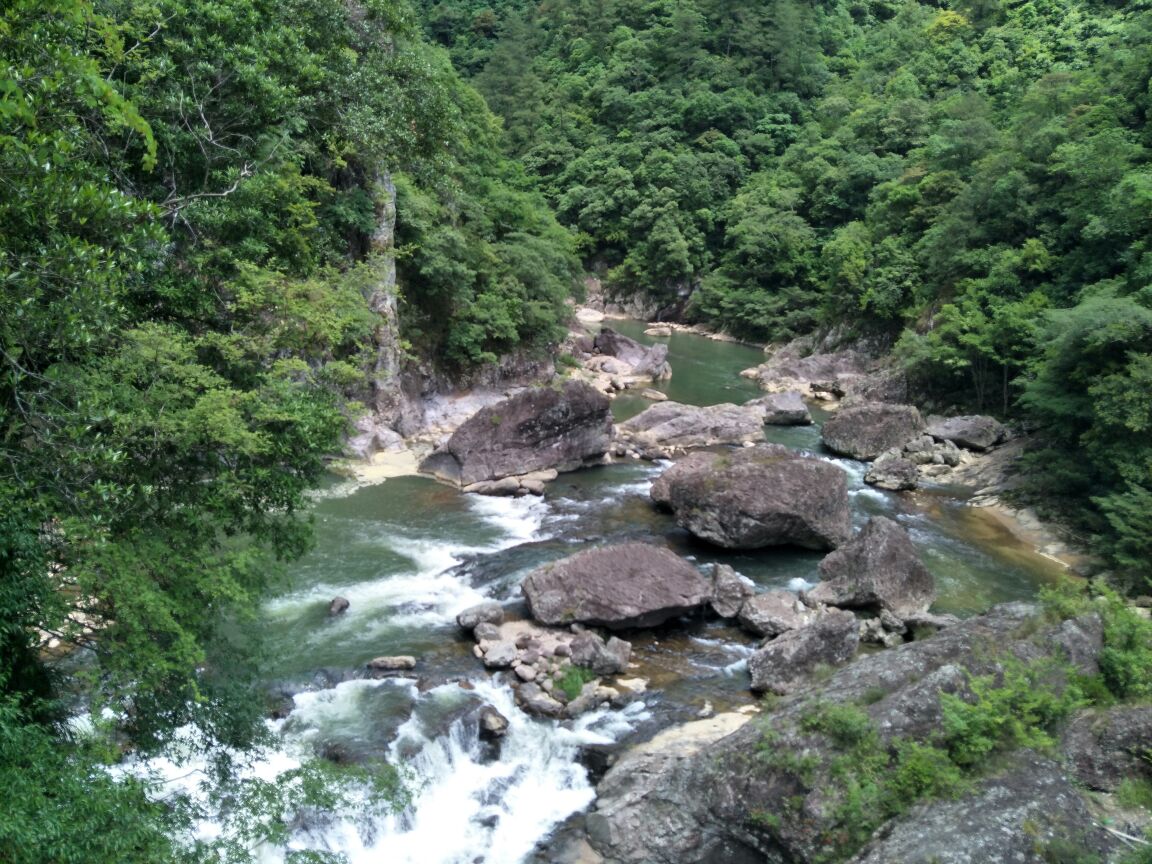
(526, 673)
(490, 613)
(392, 664)
(486, 632)
(500, 655)
(338, 606)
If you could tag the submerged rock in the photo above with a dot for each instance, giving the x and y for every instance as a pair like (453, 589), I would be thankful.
(756, 497)
(626, 585)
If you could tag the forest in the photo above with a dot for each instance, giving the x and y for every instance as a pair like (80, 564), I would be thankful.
(189, 192)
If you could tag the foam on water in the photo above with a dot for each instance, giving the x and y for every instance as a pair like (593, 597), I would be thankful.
(424, 595)
(467, 806)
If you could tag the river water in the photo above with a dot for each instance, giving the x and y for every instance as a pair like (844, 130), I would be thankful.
(410, 553)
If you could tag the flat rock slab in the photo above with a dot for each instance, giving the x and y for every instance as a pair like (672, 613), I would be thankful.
(757, 497)
(671, 424)
(621, 586)
(867, 430)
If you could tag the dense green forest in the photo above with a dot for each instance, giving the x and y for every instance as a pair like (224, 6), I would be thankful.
(968, 181)
(191, 203)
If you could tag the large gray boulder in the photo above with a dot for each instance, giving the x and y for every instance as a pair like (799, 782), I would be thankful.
(867, 430)
(821, 371)
(563, 427)
(785, 662)
(782, 409)
(974, 431)
(773, 790)
(756, 497)
(621, 586)
(878, 569)
(671, 424)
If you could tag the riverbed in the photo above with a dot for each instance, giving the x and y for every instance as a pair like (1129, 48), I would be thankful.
(410, 553)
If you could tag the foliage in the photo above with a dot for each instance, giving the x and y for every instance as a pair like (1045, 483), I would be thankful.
(190, 193)
(574, 679)
(1014, 708)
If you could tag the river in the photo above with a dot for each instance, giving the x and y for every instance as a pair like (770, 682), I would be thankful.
(410, 553)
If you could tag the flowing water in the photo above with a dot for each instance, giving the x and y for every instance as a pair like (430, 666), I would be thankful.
(410, 553)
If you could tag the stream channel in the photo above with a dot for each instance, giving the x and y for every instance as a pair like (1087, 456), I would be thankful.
(411, 553)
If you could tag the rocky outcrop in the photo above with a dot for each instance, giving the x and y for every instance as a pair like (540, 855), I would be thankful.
(782, 409)
(1105, 747)
(867, 430)
(626, 585)
(813, 374)
(879, 569)
(974, 432)
(1028, 813)
(639, 814)
(783, 664)
(671, 424)
(770, 791)
(562, 427)
(756, 497)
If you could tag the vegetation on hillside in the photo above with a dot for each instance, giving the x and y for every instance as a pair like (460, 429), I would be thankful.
(970, 180)
(189, 193)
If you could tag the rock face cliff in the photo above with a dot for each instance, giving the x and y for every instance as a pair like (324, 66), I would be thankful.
(788, 787)
(563, 427)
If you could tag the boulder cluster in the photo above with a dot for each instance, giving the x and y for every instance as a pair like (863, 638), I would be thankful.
(902, 446)
(556, 672)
